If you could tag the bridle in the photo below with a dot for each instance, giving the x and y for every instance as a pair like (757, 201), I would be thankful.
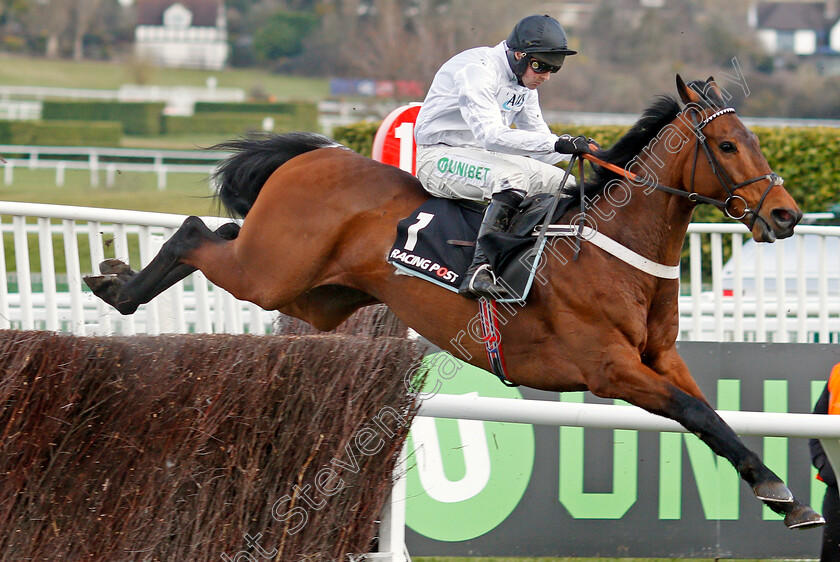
(723, 177)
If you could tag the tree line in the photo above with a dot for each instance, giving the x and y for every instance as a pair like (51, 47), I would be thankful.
(628, 52)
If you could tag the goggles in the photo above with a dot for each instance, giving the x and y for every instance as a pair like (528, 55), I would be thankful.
(541, 67)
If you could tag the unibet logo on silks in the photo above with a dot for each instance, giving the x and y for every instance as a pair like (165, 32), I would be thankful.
(465, 476)
(462, 169)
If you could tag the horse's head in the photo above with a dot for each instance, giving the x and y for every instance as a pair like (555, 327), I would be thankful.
(728, 167)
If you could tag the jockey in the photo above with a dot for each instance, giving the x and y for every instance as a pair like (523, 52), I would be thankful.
(466, 148)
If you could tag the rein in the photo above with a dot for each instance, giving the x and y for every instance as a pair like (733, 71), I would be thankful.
(724, 178)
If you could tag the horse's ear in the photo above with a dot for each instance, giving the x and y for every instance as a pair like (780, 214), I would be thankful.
(687, 95)
(713, 92)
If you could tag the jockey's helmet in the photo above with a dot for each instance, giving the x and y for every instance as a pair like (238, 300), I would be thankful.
(542, 38)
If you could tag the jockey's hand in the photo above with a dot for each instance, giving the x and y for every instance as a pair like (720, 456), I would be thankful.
(593, 144)
(568, 144)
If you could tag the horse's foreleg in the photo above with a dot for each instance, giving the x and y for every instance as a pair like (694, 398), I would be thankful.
(125, 289)
(698, 417)
(668, 395)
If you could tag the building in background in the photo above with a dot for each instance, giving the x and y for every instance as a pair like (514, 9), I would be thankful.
(182, 34)
(798, 28)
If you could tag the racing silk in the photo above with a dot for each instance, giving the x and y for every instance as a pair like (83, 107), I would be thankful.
(475, 98)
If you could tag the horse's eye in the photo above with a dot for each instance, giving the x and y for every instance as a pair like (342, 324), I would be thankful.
(727, 146)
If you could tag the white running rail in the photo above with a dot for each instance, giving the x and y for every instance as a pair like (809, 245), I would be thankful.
(40, 237)
(728, 294)
(110, 161)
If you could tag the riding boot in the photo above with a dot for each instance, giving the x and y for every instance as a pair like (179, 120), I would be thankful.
(479, 280)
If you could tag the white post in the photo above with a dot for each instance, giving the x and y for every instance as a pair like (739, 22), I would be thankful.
(781, 294)
(218, 309)
(696, 265)
(392, 527)
(255, 319)
(823, 291)
(94, 169)
(129, 323)
(760, 313)
(23, 273)
(717, 285)
(45, 246)
(59, 174)
(97, 255)
(9, 172)
(74, 276)
(232, 309)
(801, 312)
(203, 323)
(5, 321)
(738, 287)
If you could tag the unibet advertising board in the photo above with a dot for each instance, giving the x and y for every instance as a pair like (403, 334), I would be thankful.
(498, 489)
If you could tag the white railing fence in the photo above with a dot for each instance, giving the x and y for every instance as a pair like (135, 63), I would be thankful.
(53, 246)
(111, 161)
(50, 247)
(788, 291)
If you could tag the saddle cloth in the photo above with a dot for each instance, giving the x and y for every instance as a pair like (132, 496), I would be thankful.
(437, 242)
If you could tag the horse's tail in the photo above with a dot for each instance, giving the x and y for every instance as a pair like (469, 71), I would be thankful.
(241, 175)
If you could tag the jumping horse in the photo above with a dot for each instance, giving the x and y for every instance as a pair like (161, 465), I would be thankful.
(319, 220)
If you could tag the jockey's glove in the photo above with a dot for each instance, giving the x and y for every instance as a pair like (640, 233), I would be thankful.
(568, 144)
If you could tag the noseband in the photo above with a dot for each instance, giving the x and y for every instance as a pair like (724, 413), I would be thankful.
(725, 180)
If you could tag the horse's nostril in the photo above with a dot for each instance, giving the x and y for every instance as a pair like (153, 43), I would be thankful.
(786, 218)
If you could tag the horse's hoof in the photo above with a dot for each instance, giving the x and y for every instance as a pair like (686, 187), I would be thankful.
(107, 288)
(775, 492)
(803, 517)
(113, 266)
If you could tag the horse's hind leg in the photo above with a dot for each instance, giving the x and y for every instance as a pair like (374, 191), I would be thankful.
(125, 289)
(671, 393)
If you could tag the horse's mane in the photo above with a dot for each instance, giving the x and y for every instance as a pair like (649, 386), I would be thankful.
(240, 176)
(662, 111)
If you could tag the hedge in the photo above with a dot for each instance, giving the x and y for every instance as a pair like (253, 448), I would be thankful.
(61, 133)
(806, 157)
(299, 116)
(358, 136)
(137, 118)
(228, 123)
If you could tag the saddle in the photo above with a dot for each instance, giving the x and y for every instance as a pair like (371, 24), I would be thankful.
(437, 241)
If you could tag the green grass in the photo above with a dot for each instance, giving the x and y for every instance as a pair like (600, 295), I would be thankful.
(173, 142)
(30, 71)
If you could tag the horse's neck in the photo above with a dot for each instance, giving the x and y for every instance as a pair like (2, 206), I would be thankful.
(648, 221)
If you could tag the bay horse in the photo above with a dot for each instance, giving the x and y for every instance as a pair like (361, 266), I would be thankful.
(319, 220)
